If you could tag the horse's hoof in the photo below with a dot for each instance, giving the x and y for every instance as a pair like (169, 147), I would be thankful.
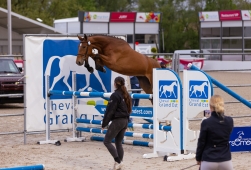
(91, 70)
(58, 143)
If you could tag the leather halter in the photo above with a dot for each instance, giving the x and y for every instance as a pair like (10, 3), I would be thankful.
(86, 49)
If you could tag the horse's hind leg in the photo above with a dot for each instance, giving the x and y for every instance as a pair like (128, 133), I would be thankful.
(145, 85)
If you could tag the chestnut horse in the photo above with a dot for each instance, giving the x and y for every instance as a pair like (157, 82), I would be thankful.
(117, 55)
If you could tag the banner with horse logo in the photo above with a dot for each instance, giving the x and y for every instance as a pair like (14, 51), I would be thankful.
(198, 91)
(56, 57)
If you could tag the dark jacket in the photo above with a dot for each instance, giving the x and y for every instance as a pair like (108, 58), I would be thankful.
(213, 142)
(116, 108)
(134, 80)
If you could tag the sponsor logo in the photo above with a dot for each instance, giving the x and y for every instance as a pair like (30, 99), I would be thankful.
(240, 141)
(95, 16)
(198, 93)
(198, 89)
(168, 93)
(148, 17)
(208, 16)
(230, 15)
(122, 16)
(246, 15)
(136, 111)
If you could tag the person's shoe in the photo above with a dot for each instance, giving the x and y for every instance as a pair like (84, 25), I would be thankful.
(118, 166)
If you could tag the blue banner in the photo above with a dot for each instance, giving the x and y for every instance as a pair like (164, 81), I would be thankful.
(59, 60)
(240, 139)
(198, 89)
(136, 111)
(168, 89)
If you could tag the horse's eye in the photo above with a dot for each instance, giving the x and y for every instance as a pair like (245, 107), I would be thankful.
(83, 46)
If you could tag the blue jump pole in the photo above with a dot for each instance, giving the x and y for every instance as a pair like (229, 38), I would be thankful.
(224, 88)
(131, 125)
(30, 167)
(130, 142)
(97, 94)
(129, 134)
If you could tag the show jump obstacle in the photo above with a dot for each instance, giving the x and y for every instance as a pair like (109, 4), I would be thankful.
(169, 104)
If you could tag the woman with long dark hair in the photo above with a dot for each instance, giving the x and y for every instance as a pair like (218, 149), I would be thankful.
(118, 111)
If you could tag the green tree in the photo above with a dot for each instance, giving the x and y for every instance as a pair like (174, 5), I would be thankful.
(48, 10)
(115, 5)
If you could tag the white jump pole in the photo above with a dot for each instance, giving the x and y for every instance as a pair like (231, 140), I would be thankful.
(74, 98)
(48, 108)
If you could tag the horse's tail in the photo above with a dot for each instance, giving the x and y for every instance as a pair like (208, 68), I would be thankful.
(191, 87)
(48, 66)
(160, 87)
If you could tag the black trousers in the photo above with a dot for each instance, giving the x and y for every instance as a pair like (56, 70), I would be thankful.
(116, 130)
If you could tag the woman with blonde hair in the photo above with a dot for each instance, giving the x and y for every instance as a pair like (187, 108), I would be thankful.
(213, 150)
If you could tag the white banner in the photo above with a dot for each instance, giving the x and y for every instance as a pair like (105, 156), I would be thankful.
(197, 88)
(209, 16)
(97, 17)
(153, 17)
(246, 15)
(56, 57)
(197, 91)
(167, 102)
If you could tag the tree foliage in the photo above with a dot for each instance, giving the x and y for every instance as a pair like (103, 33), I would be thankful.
(179, 21)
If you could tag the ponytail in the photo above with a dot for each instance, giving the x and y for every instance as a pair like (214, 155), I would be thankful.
(127, 99)
(217, 103)
(120, 84)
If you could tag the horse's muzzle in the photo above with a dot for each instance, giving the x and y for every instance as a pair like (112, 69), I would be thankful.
(79, 61)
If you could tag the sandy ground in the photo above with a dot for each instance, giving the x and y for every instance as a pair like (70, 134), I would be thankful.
(92, 155)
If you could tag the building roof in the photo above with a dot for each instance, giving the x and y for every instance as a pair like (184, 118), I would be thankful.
(24, 25)
(75, 19)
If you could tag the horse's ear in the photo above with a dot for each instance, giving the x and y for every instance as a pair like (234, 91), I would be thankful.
(80, 38)
(85, 37)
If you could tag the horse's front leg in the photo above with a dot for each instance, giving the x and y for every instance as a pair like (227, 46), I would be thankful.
(98, 63)
(87, 65)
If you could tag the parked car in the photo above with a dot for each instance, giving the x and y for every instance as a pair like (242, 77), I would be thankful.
(11, 82)
(20, 64)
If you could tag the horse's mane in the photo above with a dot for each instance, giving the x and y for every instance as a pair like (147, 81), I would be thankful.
(111, 36)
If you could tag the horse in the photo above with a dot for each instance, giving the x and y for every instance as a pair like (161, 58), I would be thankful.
(66, 65)
(169, 88)
(117, 55)
(199, 88)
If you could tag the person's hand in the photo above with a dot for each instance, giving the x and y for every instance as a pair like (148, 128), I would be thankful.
(198, 162)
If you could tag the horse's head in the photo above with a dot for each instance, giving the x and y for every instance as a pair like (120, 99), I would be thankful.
(84, 50)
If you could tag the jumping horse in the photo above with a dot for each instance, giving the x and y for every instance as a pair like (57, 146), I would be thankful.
(117, 55)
